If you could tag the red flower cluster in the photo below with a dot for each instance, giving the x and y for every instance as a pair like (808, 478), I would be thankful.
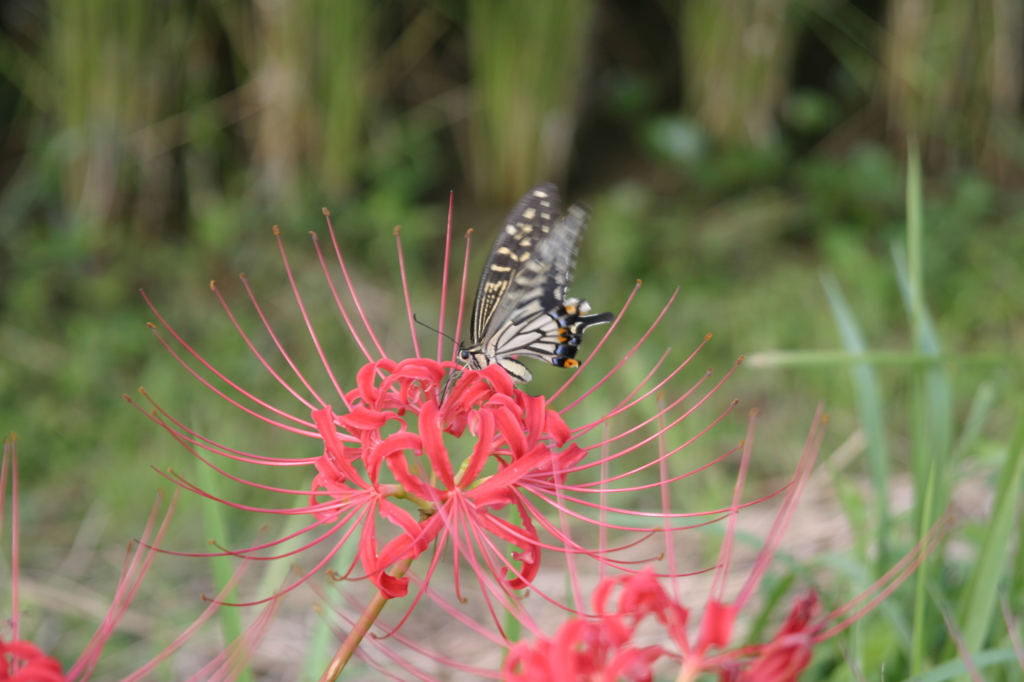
(517, 445)
(602, 646)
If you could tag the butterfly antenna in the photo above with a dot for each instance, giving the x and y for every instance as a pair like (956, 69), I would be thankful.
(454, 374)
(436, 331)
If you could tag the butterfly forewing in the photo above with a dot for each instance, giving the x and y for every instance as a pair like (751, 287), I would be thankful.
(525, 226)
(540, 282)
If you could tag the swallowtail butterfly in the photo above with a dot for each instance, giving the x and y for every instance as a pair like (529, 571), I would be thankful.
(521, 308)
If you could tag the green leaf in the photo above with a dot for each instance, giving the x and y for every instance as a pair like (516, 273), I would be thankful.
(870, 408)
(979, 602)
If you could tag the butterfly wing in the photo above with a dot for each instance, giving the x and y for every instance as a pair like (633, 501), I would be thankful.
(526, 225)
(537, 289)
(521, 309)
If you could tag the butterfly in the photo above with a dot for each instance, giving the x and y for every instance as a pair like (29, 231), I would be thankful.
(521, 308)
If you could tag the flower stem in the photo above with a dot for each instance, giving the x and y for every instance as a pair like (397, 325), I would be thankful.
(361, 627)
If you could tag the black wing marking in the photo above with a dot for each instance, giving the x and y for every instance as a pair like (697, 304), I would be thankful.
(527, 224)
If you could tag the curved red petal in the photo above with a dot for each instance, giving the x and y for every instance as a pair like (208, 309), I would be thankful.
(433, 444)
(481, 450)
(325, 424)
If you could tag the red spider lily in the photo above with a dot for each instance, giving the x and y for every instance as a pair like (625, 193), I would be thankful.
(602, 646)
(516, 429)
(23, 661)
(387, 480)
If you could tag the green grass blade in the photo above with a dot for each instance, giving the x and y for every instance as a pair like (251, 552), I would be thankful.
(933, 416)
(830, 358)
(920, 631)
(930, 395)
(977, 416)
(915, 240)
(980, 600)
(216, 527)
(870, 409)
(955, 668)
(1015, 587)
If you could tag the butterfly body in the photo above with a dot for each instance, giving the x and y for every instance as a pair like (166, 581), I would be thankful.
(521, 309)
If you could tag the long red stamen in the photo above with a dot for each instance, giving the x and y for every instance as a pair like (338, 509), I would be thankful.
(219, 375)
(309, 328)
(444, 277)
(462, 294)
(405, 292)
(351, 289)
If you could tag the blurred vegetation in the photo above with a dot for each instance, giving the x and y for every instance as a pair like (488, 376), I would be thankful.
(744, 151)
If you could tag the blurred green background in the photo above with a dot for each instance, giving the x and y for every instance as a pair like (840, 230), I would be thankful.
(751, 152)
